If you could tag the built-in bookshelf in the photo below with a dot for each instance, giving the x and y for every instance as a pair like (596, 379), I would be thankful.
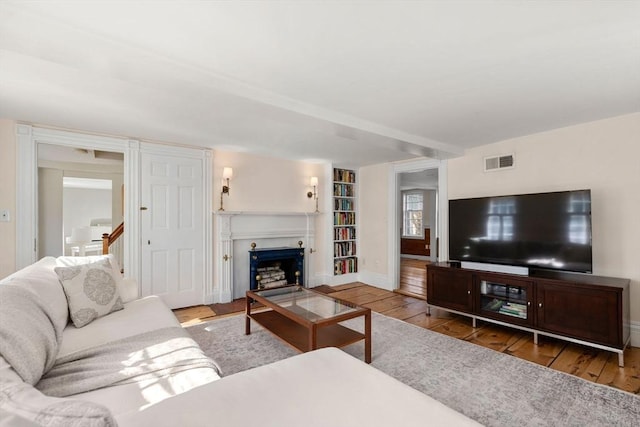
(345, 258)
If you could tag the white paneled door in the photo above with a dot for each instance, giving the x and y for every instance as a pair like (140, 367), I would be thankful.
(172, 229)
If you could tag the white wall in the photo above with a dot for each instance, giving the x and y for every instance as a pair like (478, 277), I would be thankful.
(8, 196)
(267, 184)
(50, 213)
(373, 219)
(117, 199)
(81, 205)
(603, 156)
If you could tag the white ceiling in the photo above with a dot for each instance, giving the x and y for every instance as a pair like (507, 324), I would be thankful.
(355, 82)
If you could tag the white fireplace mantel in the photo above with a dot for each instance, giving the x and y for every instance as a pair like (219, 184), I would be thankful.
(236, 230)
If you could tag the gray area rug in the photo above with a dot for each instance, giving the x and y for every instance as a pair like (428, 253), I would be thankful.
(493, 388)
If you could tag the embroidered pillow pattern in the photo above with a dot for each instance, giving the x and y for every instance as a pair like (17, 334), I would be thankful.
(91, 291)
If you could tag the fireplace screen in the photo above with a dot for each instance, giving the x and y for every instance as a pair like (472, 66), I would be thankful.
(271, 267)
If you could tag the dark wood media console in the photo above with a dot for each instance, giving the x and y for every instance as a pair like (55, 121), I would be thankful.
(581, 308)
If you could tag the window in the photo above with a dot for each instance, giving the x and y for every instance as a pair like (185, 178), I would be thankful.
(579, 208)
(500, 220)
(412, 214)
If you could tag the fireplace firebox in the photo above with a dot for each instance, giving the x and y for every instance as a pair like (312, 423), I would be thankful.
(270, 267)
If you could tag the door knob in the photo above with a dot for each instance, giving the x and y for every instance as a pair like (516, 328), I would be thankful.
(143, 208)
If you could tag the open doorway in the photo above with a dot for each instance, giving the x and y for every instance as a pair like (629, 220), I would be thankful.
(86, 214)
(419, 230)
(79, 199)
(428, 179)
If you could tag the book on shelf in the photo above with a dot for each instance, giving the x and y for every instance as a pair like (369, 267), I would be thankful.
(343, 190)
(344, 266)
(343, 205)
(344, 233)
(344, 175)
(344, 218)
(342, 249)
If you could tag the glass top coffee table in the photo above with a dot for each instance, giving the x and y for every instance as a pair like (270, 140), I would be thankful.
(306, 319)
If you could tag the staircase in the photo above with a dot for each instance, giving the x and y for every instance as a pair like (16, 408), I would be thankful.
(112, 244)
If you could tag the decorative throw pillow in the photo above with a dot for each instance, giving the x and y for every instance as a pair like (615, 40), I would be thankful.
(91, 291)
(127, 288)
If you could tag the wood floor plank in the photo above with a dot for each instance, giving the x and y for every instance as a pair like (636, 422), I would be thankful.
(544, 353)
(389, 303)
(424, 321)
(495, 337)
(407, 310)
(348, 286)
(194, 314)
(626, 378)
(412, 294)
(413, 277)
(360, 295)
(458, 328)
(581, 361)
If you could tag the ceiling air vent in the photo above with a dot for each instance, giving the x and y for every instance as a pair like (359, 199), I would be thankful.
(498, 163)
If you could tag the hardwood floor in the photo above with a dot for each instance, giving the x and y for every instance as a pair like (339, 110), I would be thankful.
(590, 364)
(413, 280)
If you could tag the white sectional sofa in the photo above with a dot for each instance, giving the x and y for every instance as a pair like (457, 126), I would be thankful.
(135, 366)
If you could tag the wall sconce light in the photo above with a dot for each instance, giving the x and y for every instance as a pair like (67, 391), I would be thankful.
(227, 174)
(314, 183)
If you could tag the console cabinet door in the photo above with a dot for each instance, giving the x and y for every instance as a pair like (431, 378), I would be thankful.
(590, 313)
(450, 288)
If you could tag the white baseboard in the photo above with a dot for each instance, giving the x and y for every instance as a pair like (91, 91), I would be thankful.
(635, 334)
(209, 299)
(343, 279)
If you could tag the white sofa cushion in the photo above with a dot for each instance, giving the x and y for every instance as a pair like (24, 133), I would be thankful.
(91, 291)
(125, 398)
(28, 339)
(42, 280)
(139, 316)
(21, 404)
(24, 402)
(128, 290)
(322, 388)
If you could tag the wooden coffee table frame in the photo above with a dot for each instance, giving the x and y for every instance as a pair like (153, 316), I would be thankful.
(304, 334)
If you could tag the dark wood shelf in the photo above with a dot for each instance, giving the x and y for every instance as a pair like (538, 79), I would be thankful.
(591, 310)
(297, 335)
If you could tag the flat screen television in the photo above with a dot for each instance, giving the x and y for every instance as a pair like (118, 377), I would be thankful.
(544, 230)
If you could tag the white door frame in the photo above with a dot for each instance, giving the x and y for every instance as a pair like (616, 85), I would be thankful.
(27, 139)
(395, 220)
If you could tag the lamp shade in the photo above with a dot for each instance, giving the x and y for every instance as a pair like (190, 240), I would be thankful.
(80, 234)
(227, 173)
(313, 181)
